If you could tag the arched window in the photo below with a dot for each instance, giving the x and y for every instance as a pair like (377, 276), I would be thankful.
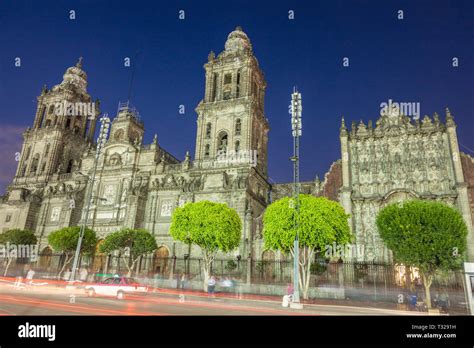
(207, 150)
(237, 146)
(46, 151)
(70, 164)
(208, 130)
(28, 151)
(43, 166)
(45, 258)
(23, 170)
(42, 114)
(222, 143)
(214, 88)
(34, 164)
(237, 89)
(238, 127)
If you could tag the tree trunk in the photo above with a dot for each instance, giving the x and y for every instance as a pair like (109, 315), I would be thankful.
(6, 267)
(427, 280)
(66, 262)
(130, 268)
(206, 268)
(305, 271)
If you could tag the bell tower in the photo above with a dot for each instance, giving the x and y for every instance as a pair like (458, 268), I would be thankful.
(231, 116)
(64, 126)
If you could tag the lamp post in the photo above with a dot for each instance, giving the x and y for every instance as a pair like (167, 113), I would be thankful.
(104, 130)
(296, 127)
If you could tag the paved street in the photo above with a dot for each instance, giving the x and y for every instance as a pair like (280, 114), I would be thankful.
(44, 300)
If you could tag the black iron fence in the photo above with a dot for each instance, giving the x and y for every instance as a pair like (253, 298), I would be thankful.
(323, 274)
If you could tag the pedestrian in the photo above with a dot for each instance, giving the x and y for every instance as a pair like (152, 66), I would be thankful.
(26, 269)
(67, 274)
(444, 301)
(412, 300)
(226, 283)
(183, 281)
(29, 277)
(289, 289)
(83, 274)
(178, 280)
(237, 288)
(436, 300)
(211, 285)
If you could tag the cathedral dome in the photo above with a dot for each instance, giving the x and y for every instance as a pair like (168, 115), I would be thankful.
(237, 41)
(74, 76)
(76, 71)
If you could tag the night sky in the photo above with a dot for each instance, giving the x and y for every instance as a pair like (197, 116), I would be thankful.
(407, 60)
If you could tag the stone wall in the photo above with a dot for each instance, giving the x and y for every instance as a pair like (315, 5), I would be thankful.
(468, 169)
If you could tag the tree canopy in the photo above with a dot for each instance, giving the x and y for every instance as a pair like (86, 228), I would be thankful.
(428, 235)
(131, 242)
(65, 240)
(18, 237)
(137, 242)
(211, 226)
(321, 223)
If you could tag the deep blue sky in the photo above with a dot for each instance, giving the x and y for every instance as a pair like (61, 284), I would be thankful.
(408, 60)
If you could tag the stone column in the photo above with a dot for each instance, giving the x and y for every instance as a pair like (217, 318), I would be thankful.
(345, 194)
(461, 185)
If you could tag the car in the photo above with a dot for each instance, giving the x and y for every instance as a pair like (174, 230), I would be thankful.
(117, 287)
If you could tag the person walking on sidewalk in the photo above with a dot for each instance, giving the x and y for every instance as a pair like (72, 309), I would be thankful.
(183, 281)
(290, 290)
(237, 288)
(211, 286)
(83, 274)
(29, 277)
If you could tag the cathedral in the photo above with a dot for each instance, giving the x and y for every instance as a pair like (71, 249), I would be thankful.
(138, 185)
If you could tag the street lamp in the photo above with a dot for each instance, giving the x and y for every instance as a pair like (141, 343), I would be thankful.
(296, 128)
(104, 130)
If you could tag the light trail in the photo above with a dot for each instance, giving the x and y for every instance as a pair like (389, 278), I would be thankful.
(76, 308)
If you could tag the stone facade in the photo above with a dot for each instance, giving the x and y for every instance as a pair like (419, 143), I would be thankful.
(468, 170)
(138, 185)
(399, 159)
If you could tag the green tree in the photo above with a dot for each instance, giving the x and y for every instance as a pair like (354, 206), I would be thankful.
(210, 226)
(17, 238)
(65, 241)
(322, 222)
(130, 242)
(428, 235)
